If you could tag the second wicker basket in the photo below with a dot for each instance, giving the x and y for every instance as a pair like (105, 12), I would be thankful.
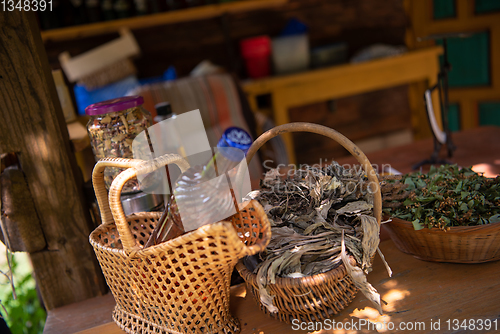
(317, 297)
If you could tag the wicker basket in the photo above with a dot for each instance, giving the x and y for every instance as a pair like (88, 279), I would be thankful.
(182, 285)
(316, 297)
(461, 244)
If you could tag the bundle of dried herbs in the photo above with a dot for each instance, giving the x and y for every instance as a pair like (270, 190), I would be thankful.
(444, 197)
(319, 217)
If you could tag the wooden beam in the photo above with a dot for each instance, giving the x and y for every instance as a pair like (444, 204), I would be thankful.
(190, 14)
(364, 77)
(33, 126)
(395, 69)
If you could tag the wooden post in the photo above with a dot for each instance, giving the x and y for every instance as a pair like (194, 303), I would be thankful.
(32, 125)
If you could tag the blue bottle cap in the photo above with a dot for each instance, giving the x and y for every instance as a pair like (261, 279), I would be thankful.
(235, 138)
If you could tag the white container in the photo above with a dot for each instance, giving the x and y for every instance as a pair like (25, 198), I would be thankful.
(290, 53)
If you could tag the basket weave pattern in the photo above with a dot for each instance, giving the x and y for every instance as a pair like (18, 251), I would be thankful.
(311, 298)
(182, 285)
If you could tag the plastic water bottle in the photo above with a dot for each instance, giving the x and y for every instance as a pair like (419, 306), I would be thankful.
(198, 190)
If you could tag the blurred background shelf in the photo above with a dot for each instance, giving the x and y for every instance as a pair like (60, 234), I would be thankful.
(314, 86)
(146, 21)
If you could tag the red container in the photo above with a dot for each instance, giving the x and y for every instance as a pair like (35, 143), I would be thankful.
(256, 52)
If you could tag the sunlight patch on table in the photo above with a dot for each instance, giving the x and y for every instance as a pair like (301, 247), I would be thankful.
(372, 315)
(392, 297)
(242, 293)
(486, 169)
(390, 284)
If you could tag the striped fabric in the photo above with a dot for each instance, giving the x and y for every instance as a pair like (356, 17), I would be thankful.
(216, 97)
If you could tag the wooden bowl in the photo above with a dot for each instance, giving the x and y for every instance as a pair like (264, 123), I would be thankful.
(461, 244)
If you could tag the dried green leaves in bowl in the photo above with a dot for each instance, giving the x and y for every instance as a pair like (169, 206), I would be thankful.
(444, 197)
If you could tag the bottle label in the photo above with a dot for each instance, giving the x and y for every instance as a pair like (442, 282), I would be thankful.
(239, 136)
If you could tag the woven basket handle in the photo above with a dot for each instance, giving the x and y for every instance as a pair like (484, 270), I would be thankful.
(260, 243)
(374, 185)
(111, 205)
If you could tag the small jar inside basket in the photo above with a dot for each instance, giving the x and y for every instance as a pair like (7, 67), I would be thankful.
(112, 127)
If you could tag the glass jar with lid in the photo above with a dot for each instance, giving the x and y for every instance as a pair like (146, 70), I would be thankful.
(112, 127)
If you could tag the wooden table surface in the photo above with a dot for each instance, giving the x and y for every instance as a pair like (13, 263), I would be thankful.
(419, 291)
(479, 147)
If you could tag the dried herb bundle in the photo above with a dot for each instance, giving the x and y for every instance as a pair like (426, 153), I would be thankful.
(444, 197)
(313, 212)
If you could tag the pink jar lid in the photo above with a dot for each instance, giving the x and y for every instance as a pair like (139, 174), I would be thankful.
(114, 105)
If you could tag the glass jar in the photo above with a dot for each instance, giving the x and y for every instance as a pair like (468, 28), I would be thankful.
(112, 128)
